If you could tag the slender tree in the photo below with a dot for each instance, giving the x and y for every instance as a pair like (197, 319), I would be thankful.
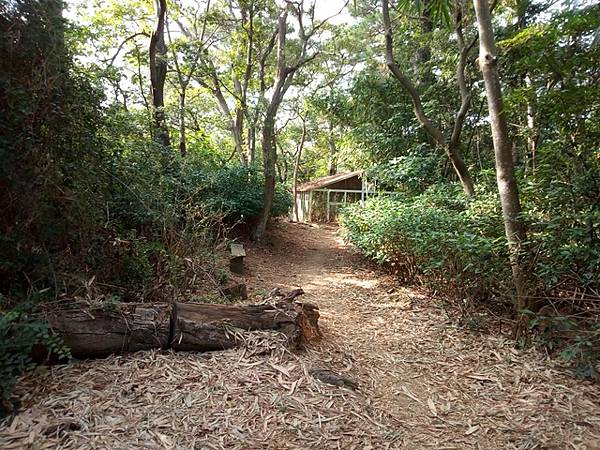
(158, 75)
(505, 172)
(283, 80)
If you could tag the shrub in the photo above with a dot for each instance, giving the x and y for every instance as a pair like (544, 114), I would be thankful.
(22, 328)
(237, 193)
(436, 238)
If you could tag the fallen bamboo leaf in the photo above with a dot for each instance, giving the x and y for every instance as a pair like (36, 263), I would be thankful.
(432, 407)
(472, 430)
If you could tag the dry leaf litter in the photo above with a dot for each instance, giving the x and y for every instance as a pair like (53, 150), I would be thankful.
(423, 381)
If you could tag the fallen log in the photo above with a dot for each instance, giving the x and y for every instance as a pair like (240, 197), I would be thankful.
(128, 328)
(204, 327)
(181, 326)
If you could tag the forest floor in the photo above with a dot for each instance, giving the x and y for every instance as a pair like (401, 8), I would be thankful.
(427, 377)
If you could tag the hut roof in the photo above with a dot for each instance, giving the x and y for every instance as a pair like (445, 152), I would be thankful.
(326, 181)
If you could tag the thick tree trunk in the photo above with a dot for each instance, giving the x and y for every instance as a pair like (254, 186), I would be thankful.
(505, 174)
(158, 75)
(269, 166)
(199, 327)
(182, 326)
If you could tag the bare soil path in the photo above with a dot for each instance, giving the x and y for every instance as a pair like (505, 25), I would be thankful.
(424, 381)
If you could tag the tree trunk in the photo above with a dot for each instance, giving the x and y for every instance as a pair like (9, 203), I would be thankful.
(251, 144)
(532, 135)
(182, 138)
(232, 124)
(269, 162)
(158, 74)
(505, 174)
(238, 138)
(461, 170)
(238, 121)
(296, 168)
(332, 151)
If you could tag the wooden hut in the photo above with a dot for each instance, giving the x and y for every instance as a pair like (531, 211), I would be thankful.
(319, 200)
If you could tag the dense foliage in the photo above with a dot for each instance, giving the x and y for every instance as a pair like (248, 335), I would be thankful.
(90, 208)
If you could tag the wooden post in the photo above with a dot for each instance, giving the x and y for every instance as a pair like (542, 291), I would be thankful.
(236, 261)
(328, 192)
(362, 191)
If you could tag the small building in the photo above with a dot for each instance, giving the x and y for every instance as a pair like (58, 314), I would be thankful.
(319, 200)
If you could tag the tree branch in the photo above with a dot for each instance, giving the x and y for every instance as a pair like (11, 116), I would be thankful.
(410, 89)
(120, 47)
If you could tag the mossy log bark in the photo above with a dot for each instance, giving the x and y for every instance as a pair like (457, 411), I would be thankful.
(181, 326)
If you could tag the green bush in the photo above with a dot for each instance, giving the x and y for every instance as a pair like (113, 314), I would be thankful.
(22, 328)
(237, 192)
(447, 242)
(436, 237)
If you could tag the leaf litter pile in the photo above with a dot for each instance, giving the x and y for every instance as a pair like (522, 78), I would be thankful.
(423, 381)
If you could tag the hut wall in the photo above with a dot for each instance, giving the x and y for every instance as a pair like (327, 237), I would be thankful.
(312, 205)
(354, 183)
(303, 202)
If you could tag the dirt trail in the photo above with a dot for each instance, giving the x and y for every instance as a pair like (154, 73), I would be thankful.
(425, 382)
(444, 386)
